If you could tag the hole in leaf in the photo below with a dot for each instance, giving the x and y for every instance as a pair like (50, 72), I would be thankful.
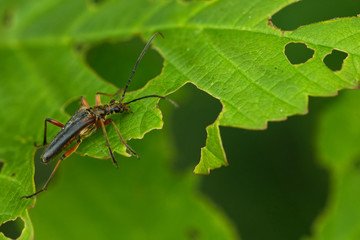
(298, 53)
(309, 11)
(335, 60)
(114, 62)
(12, 229)
(197, 110)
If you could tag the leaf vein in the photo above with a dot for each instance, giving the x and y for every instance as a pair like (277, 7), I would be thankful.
(248, 78)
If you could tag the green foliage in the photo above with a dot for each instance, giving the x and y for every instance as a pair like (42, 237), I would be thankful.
(135, 201)
(226, 48)
(338, 143)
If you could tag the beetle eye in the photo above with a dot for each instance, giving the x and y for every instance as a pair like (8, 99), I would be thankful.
(112, 101)
(117, 109)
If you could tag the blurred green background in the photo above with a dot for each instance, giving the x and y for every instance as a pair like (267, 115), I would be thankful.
(274, 188)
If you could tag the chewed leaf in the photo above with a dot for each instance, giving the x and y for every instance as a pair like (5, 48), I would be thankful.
(226, 48)
(213, 154)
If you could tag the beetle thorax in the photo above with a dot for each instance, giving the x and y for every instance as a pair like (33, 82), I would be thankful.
(102, 111)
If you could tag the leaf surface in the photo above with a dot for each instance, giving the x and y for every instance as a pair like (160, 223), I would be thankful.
(226, 48)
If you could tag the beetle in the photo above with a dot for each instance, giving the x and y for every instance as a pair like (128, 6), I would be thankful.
(86, 121)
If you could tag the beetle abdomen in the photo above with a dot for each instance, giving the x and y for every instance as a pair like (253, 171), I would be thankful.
(79, 121)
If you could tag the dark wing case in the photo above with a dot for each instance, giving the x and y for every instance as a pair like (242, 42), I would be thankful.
(80, 120)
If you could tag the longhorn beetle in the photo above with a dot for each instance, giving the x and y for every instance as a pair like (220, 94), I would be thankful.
(86, 121)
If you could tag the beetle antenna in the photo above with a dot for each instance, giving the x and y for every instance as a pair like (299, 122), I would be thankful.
(137, 62)
(157, 96)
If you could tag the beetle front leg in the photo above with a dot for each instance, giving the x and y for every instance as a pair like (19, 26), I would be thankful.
(111, 95)
(108, 121)
(97, 99)
(52, 121)
(107, 143)
(84, 102)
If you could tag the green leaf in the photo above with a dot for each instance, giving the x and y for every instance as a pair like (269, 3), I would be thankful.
(26, 232)
(212, 153)
(226, 48)
(143, 199)
(339, 132)
(339, 149)
(240, 61)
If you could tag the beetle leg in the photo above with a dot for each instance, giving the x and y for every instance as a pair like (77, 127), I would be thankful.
(111, 95)
(52, 121)
(97, 96)
(107, 143)
(97, 99)
(65, 155)
(84, 102)
(109, 120)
